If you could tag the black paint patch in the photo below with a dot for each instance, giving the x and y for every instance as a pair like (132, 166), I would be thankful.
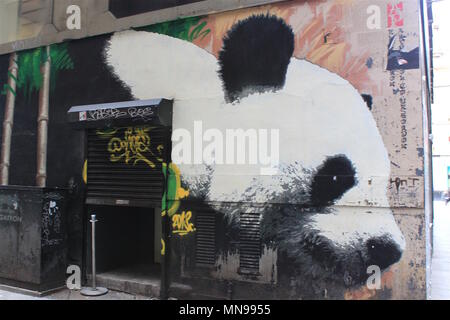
(382, 252)
(368, 100)
(126, 8)
(22, 171)
(255, 56)
(333, 178)
(402, 60)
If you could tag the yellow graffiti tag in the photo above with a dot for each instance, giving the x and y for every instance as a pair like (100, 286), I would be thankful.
(132, 147)
(163, 247)
(181, 223)
(85, 172)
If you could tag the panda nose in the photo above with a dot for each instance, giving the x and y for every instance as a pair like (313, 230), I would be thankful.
(382, 251)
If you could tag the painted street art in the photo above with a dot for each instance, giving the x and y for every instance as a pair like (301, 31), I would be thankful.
(52, 232)
(398, 59)
(7, 87)
(395, 14)
(188, 29)
(181, 223)
(132, 145)
(307, 214)
(175, 192)
(29, 78)
(145, 114)
(241, 67)
(342, 93)
(135, 143)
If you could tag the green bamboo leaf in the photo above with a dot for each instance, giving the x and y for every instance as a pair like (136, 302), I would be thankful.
(181, 28)
(197, 32)
(6, 88)
(12, 76)
(29, 78)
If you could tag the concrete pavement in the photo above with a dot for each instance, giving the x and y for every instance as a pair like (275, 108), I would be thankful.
(440, 272)
(6, 294)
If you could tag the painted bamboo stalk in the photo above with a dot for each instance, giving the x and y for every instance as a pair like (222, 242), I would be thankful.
(41, 176)
(8, 120)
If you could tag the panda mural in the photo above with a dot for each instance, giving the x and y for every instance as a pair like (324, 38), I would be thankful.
(324, 209)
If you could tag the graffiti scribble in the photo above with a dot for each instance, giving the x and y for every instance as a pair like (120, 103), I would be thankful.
(132, 148)
(181, 223)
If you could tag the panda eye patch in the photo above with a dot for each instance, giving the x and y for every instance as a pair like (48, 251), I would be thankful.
(332, 179)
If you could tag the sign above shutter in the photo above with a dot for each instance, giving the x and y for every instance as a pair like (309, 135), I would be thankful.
(155, 112)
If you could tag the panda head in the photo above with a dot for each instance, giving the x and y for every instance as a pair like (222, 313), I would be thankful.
(333, 167)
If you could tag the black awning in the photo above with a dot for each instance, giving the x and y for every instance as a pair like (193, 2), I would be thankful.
(157, 112)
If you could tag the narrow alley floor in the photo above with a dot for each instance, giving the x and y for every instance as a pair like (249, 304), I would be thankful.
(8, 295)
(440, 277)
(440, 268)
(65, 294)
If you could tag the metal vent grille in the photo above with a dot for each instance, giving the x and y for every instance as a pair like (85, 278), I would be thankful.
(205, 239)
(124, 166)
(250, 241)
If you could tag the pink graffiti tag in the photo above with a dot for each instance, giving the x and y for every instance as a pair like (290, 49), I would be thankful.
(395, 14)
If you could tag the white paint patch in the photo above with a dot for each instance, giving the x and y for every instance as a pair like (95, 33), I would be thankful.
(159, 66)
(350, 227)
(313, 112)
(318, 114)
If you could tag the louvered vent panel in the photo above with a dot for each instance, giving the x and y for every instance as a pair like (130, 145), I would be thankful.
(205, 239)
(250, 241)
(125, 166)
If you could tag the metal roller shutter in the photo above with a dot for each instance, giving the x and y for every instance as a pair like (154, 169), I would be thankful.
(125, 166)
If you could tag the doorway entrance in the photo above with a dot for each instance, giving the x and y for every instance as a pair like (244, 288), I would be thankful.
(125, 186)
(128, 254)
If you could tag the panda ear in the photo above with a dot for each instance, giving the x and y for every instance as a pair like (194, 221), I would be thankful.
(368, 100)
(255, 56)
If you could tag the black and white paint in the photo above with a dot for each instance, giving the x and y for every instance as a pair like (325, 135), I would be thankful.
(332, 218)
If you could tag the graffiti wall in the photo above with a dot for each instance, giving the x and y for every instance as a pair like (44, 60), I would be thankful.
(297, 145)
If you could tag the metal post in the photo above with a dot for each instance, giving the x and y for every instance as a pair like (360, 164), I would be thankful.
(94, 290)
(94, 273)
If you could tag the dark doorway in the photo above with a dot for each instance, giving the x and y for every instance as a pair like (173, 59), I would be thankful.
(128, 253)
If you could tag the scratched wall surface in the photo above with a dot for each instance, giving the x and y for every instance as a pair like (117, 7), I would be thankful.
(4, 61)
(340, 80)
(289, 59)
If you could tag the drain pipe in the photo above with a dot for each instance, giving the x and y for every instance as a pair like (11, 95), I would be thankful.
(8, 120)
(41, 176)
